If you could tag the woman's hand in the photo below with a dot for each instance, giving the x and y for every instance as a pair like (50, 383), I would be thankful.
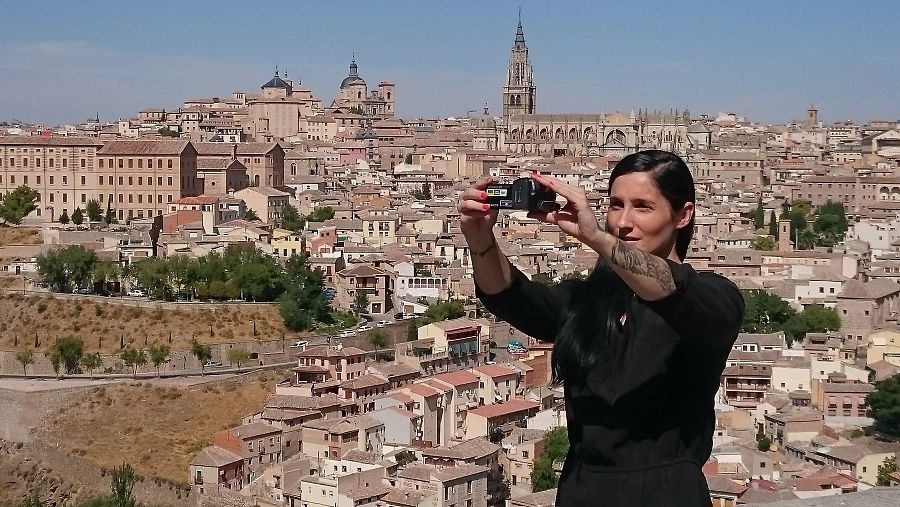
(576, 218)
(477, 219)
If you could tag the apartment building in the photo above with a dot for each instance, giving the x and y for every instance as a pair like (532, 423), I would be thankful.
(258, 443)
(837, 396)
(333, 438)
(745, 385)
(460, 486)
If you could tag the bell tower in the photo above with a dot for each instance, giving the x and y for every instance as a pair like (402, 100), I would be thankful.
(519, 92)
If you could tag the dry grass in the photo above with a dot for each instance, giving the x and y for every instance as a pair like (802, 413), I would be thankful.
(19, 236)
(102, 325)
(155, 429)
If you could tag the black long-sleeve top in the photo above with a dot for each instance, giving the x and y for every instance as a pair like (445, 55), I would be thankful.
(657, 404)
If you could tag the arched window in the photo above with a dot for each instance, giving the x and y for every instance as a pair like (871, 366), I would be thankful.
(359, 95)
(293, 169)
(389, 95)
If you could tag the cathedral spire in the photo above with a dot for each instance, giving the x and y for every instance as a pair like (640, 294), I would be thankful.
(520, 34)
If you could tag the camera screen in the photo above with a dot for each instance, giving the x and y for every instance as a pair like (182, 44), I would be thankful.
(497, 192)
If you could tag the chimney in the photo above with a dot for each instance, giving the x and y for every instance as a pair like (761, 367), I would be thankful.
(234, 151)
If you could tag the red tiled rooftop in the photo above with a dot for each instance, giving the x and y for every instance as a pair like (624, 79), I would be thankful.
(506, 408)
(496, 370)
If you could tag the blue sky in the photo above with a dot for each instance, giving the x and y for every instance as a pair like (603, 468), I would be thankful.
(767, 60)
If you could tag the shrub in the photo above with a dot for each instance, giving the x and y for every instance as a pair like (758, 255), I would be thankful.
(41, 307)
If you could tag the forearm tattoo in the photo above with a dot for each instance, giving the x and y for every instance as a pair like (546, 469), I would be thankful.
(642, 263)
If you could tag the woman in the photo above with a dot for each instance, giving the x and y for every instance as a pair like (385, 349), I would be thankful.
(639, 346)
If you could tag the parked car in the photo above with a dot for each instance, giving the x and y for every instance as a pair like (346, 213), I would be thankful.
(211, 364)
(82, 290)
(364, 328)
(298, 344)
(347, 332)
(382, 323)
(137, 293)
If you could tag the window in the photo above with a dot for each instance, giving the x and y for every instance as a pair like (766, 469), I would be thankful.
(169, 181)
(26, 182)
(65, 180)
(140, 178)
(38, 177)
(170, 163)
(131, 163)
(130, 180)
(83, 198)
(140, 163)
(525, 453)
(65, 197)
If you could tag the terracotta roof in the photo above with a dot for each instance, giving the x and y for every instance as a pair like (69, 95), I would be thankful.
(723, 484)
(144, 148)
(253, 430)
(506, 408)
(457, 378)
(364, 382)
(200, 199)
(214, 456)
(496, 370)
(49, 141)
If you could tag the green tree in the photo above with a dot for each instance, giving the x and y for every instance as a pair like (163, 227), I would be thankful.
(361, 302)
(304, 301)
(498, 489)
(64, 218)
(291, 219)
(773, 225)
(91, 362)
(182, 275)
(543, 278)
(238, 356)
(202, 352)
(408, 159)
(250, 215)
(765, 243)
(321, 214)
(404, 458)
(78, 216)
(885, 469)
(443, 311)
(67, 351)
(133, 358)
(159, 354)
(25, 357)
(67, 267)
(426, 191)
(17, 204)
(763, 443)
(94, 211)
(110, 217)
(764, 312)
(412, 330)
(884, 406)
(759, 215)
(167, 132)
(378, 339)
(556, 446)
(122, 486)
(152, 274)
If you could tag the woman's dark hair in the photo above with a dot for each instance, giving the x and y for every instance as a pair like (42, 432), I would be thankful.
(674, 180)
(592, 337)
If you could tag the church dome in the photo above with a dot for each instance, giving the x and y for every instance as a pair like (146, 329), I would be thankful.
(485, 121)
(353, 78)
(276, 82)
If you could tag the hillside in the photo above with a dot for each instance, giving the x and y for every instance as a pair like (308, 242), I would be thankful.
(102, 324)
(19, 236)
(155, 429)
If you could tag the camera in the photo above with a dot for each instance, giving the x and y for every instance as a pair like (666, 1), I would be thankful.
(523, 193)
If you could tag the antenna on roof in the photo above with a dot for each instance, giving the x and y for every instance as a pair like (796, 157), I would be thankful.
(276, 70)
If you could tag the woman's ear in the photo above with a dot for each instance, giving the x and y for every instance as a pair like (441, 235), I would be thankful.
(684, 215)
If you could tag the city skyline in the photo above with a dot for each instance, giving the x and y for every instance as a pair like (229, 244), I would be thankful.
(768, 64)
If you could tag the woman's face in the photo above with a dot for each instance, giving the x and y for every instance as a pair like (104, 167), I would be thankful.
(641, 216)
